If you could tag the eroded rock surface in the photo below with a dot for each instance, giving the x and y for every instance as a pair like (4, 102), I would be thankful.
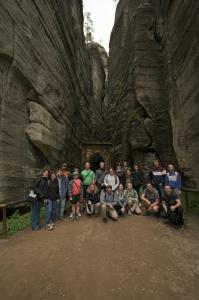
(153, 83)
(45, 89)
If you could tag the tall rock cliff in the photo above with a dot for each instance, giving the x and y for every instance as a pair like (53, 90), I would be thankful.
(153, 83)
(45, 89)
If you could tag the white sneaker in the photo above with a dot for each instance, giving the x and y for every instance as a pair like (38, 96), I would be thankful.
(129, 212)
(72, 217)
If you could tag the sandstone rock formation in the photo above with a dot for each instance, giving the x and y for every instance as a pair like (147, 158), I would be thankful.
(153, 83)
(45, 89)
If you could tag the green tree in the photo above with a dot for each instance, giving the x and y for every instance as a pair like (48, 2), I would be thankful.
(88, 27)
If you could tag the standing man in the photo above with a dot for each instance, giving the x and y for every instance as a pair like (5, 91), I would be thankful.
(150, 198)
(88, 178)
(137, 177)
(63, 191)
(121, 174)
(174, 207)
(173, 179)
(65, 171)
(100, 175)
(158, 177)
(41, 190)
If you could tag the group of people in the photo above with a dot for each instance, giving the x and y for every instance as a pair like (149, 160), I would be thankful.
(112, 193)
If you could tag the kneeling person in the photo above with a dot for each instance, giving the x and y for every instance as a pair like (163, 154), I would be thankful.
(174, 207)
(120, 200)
(108, 203)
(92, 200)
(150, 198)
(132, 200)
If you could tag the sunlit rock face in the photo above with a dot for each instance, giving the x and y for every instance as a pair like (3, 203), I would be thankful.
(153, 83)
(45, 89)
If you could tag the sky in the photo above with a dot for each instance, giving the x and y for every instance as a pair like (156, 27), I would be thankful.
(103, 15)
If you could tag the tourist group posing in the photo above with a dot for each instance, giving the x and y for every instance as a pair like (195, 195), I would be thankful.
(111, 193)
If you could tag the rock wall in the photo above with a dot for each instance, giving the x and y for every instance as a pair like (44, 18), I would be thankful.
(153, 83)
(99, 67)
(45, 89)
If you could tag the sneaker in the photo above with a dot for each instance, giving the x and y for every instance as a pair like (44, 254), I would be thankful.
(181, 227)
(49, 227)
(105, 220)
(78, 216)
(72, 217)
(129, 212)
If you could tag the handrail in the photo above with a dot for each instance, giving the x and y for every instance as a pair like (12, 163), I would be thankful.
(4, 207)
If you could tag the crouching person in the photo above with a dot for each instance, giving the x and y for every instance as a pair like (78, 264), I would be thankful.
(121, 200)
(173, 207)
(150, 198)
(92, 200)
(51, 202)
(132, 200)
(75, 193)
(108, 202)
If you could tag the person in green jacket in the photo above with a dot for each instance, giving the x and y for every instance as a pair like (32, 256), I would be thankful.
(88, 178)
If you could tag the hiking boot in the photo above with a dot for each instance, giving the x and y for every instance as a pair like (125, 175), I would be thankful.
(105, 220)
(72, 217)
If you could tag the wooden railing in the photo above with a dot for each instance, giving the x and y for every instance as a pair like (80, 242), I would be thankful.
(4, 207)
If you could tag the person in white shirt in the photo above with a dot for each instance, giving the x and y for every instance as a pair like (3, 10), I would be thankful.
(112, 180)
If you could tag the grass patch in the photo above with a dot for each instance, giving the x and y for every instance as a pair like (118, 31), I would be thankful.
(17, 222)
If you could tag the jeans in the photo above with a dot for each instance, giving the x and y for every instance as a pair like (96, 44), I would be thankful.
(51, 211)
(61, 208)
(176, 217)
(36, 207)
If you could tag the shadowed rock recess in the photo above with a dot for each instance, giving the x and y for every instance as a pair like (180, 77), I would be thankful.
(153, 83)
(46, 90)
(55, 96)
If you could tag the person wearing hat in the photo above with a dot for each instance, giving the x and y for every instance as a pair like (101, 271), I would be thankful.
(65, 171)
(75, 193)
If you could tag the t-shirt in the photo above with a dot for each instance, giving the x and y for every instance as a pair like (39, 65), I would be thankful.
(170, 199)
(88, 177)
(151, 196)
(76, 187)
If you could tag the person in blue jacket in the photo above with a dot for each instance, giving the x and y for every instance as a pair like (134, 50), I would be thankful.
(173, 179)
(63, 190)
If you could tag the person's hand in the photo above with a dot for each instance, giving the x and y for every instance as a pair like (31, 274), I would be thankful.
(172, 208)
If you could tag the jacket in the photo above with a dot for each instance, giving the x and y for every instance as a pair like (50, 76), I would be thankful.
(63, 186)
(137, 177)
(108, 198)
(174, 180)
(112, 180)
(131, 195)
(158, 176)
(41, 187)
(121, 200)
(53, 190)
(93, 197)
(100, 175)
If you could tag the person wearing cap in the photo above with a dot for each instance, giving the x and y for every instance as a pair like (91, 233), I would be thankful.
(65, 171)
(75, 193)
(92, 200)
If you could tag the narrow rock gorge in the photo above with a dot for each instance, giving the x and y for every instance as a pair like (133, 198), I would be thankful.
(153, 83)
(46, 92)
(57, 93)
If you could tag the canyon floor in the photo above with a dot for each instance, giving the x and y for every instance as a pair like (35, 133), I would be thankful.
(136, 258)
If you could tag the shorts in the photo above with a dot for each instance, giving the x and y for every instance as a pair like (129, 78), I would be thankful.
(75, 199)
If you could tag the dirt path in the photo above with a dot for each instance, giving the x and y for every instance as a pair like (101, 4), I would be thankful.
(134, 258)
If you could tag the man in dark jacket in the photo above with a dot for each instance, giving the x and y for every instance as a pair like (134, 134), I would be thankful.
(51, 202)
(137, 177)
(41, 190)
(158, 177)
(63, 182)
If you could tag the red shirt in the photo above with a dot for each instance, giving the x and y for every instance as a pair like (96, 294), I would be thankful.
(76, 187)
